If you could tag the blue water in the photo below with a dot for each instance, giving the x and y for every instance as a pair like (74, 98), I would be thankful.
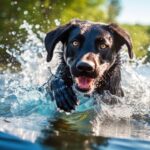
(27, 111)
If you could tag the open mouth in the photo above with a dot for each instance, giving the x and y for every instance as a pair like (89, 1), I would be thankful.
(84, 84)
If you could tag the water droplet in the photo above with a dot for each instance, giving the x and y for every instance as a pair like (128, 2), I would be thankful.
(37, 26)
(25, 12)
(18, 9)
(57, 22)
(13, 33)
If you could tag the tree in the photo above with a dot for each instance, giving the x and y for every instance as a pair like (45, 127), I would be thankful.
(114, 8)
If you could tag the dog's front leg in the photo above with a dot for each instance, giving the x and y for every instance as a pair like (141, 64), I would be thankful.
(63, 94)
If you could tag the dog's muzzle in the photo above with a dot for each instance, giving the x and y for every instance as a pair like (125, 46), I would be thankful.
(87, 74)
(84, 82)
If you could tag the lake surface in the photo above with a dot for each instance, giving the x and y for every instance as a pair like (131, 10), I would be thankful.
(27, 111)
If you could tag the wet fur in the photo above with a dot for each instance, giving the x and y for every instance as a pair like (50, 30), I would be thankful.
(110, 80)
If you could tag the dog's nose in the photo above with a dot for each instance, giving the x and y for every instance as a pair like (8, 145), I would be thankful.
(85, 66)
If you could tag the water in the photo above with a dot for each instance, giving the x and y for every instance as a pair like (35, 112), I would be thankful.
(27, 111)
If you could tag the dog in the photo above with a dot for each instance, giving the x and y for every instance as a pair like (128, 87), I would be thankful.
(90, 60)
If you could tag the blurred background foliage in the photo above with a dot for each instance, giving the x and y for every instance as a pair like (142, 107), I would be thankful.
(45, 15)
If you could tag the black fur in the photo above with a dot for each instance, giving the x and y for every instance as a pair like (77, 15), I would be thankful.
(87, 59)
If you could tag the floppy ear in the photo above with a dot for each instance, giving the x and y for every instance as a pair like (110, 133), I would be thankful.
(121, 37)
(53, 37)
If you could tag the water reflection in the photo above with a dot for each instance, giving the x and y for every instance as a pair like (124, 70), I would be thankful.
(71, 133)
(75, 142)
(65, 135)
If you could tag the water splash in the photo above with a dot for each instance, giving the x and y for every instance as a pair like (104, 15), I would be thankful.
(134, 108)
(19, 92)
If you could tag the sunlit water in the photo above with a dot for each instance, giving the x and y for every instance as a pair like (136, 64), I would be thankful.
(27, 111)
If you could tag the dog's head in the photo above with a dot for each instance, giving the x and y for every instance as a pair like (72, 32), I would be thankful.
(89, 49)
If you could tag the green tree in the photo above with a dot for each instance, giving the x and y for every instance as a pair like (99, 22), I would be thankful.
(114, 8)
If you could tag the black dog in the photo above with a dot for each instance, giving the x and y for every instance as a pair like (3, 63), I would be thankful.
(90, 61)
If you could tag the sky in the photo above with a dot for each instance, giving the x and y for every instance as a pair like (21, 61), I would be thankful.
(135, 11)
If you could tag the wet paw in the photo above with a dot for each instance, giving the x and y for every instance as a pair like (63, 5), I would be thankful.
(63, 95)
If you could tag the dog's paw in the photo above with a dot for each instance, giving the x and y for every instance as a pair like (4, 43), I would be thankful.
(63, 95)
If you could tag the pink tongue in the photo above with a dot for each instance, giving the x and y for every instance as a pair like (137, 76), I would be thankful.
(84, 83)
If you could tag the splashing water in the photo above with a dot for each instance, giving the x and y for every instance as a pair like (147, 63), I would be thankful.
(134, 108)
(22, 104)
(19, 92)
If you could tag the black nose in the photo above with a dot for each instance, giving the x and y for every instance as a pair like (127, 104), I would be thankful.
(85, 66)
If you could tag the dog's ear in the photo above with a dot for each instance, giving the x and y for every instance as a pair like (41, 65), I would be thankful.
(121, 37)
(54, 36)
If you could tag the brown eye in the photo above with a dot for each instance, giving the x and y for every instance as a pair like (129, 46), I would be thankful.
(102, 46)
(75, 44)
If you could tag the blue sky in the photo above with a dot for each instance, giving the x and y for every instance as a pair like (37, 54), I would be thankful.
(135, 11)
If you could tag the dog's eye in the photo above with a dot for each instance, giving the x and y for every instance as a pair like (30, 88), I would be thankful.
(75, 43)
(102, 46)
